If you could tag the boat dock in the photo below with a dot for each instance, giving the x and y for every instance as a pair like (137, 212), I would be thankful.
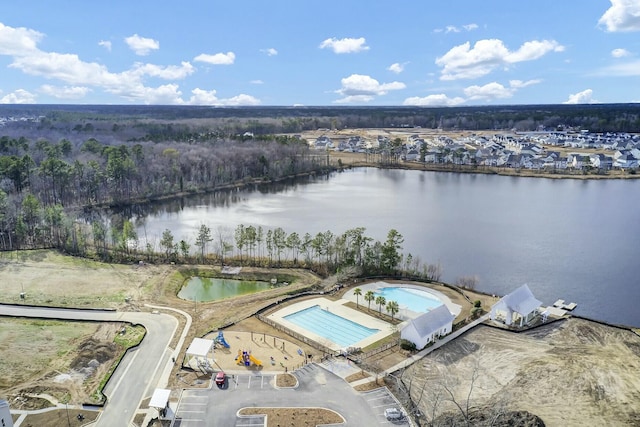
(562, 305)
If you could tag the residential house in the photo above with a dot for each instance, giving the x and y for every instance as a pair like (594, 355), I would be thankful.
(519, 307)
(626, 161)
(323, 143)
(428, 327)
(601, 161)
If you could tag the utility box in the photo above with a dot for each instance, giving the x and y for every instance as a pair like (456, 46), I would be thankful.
(5, 414)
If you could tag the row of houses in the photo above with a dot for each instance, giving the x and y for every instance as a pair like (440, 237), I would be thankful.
(503, 150)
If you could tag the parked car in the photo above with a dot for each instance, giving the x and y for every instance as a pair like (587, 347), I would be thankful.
(220, 378)
(393, 414)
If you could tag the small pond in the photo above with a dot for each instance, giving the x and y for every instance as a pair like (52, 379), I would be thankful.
(213, 289)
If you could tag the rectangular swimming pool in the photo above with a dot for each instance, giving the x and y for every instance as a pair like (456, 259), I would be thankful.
(341, 331)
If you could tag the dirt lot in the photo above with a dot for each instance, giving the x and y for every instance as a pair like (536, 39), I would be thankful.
(569, 373)
(52, 362)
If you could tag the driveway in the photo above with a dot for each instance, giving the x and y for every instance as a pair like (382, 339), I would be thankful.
(138, 371)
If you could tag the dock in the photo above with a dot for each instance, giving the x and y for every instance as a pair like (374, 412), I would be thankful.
(562, 305)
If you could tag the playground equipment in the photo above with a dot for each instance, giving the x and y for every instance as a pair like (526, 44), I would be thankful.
(245, 358)
(220, 340)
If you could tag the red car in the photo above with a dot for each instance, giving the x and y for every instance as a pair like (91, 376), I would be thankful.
(220, 378)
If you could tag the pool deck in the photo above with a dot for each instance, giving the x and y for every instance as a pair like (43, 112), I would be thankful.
(338, 308)
(404, 313)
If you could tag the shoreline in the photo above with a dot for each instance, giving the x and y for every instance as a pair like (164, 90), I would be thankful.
(353, 160)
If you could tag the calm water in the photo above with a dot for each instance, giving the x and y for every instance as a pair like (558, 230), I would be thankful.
(208, 289)
(335, 328)
(570, 239)
(412, 299)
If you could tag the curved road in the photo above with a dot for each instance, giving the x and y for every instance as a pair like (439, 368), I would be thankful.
(137, 371)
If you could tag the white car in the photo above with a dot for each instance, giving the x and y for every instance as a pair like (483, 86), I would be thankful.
(393, 414)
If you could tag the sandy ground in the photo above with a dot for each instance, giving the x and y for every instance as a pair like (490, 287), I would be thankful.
(275, 354)
(569, 373)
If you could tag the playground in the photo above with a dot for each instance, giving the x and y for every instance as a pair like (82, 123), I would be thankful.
(238, 351)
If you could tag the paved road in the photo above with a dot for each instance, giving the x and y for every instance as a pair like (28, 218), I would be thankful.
(138, 371)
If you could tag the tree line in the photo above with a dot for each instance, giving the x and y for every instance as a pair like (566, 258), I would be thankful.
(40, 180)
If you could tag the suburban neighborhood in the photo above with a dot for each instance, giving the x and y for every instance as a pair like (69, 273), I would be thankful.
(543, 151)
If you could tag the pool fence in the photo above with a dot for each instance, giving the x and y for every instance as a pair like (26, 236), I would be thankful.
(325, 350)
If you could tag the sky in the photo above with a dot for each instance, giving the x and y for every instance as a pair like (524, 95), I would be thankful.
(320, 53)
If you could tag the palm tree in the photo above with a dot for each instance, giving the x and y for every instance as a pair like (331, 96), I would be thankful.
(368, 297)
(357, 292)
(380, 300)
(393, 308)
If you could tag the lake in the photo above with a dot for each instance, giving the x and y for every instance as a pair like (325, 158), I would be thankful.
(570, 239)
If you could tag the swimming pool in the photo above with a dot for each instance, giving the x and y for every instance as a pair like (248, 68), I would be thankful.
(409, 298)
(335, 328)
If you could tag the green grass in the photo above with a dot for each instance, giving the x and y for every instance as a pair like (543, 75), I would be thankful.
(132, 337)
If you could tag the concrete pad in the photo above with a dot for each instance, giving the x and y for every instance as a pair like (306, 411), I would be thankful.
(336, 307)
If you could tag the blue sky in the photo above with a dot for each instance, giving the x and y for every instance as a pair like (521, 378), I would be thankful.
(348, 52)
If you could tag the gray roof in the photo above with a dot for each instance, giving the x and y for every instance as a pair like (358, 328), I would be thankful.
(521, 300)
(432, 321)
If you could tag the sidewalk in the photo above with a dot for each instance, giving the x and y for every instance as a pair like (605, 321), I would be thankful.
(410, 360)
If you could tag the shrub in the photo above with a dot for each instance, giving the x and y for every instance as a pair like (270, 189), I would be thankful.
(477, 303)
(407, 345)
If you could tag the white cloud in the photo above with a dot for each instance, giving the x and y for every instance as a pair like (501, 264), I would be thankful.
(623, 15)
(81, 77)
(256, 82)
(620, 53)
(361, 88)
(454, 29)
(466, 62)
(434, 100)
(584, 97)
(65, 92)
(354, 99)
(346, 45)
(495, 90)
(217, 59)
(396, 67)
(517, 84)
(241, 99)
(532, 50)
(106, 44)
(270, 52)
(20, 96)
(141, 45)
(18, 41)
(208, 97)
(489, 91)
(66, 67)
(170, 72)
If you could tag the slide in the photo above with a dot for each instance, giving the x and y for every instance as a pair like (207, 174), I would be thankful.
(255, 361)
(239, 359)
(221, 340)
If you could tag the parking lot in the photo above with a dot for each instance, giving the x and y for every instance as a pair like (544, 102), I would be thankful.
(379, 400)
(317, 387)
